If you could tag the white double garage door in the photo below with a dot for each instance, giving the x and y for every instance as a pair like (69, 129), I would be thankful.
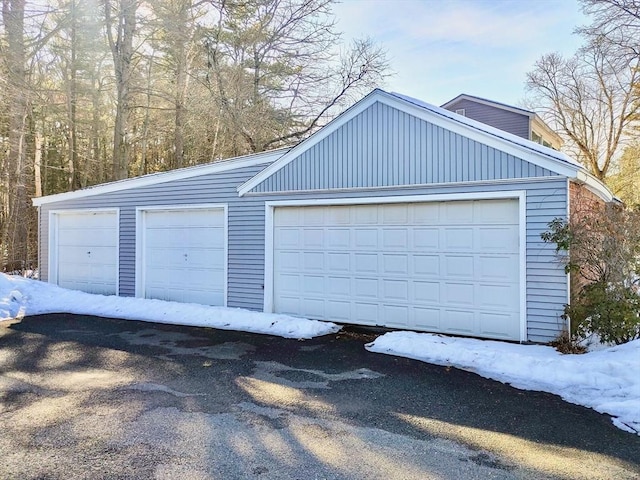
(181, 253)
(452, 267)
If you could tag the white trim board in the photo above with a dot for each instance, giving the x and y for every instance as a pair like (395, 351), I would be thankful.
(519, 195)
(477, 131)
(140, 239)
(163, 177)
(52, 257)
(409, 187)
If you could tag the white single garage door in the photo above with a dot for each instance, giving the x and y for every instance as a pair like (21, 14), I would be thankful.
(184, 255)
(450, 267)
(85, 251)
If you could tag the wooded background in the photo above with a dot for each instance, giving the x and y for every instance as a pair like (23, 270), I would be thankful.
(99, 90)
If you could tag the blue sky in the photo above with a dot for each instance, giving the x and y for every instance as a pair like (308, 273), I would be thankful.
(441, 48)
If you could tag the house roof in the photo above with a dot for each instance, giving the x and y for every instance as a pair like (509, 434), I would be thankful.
(549, 152)
(486, 101)
(535, 153)
(162, 177)
(532, 115)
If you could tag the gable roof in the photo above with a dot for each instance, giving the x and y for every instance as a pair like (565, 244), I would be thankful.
(517, 146)
(533, 116)
(162, 177)
(491, 103)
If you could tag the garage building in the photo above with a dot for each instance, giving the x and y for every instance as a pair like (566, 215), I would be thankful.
(397, 213)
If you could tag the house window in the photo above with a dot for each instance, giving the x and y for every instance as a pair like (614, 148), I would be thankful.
(460, 111)
(538, 139)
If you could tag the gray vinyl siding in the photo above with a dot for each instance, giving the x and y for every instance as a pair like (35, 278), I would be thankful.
(385, 147)
(546, 199)
(246, 228)
(512, 122)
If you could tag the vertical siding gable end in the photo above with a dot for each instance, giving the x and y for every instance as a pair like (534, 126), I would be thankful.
(385, 147)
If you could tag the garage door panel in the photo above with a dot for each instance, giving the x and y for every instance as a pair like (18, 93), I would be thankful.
(366, 215)
(313, 261)
(395, 290)
(426, 213)
(395, 214)
(426, 318)
(338, 238)
(338, 311)
(366, 238)
(313, 238)
(396, 315)
(88, 220)
(289, 305)
(288, 237)
(497, 267)
(85, 251)
(459, 322)
(366, 263)
(504, 297)
(498, 239)
(498, 325)
(313, 285)
(289, 284)
(338, 215)
(458, 294)
(395, 239)
(405, 265)
(288, 261)
(313, 307)
(459, 267)
(460, 212)
(457, 239)
(426, 293)
(426, 265)
(366, 313)
(339, 287)
(184, 255)
(395, 264)
(338, 262)
(80, 237)
(426, 239)
(495, 211)
(313, 216)
(366, 288)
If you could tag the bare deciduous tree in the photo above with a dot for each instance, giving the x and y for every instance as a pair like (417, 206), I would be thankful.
(590, 99)
(274, 61)
(121, 27)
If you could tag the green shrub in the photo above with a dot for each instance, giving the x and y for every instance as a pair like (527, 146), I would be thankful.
(612, 313)
(601, 250)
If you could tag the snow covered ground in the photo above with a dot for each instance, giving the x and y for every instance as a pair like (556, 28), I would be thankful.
(607, 380)
(21, 297)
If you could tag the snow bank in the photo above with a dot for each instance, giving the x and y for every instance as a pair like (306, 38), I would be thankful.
(20, 297)
(606, 380)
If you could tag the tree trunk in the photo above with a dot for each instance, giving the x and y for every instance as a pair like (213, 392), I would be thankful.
(122, 51)
(14, 225)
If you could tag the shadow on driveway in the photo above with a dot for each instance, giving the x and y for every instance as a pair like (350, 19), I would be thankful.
(271, 383)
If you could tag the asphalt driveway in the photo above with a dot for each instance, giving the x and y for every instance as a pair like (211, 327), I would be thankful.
(86, 397)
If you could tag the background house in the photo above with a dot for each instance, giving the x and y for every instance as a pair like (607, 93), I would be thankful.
(520, 122)
(398, 213)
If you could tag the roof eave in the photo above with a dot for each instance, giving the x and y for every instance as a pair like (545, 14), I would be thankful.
(157, 178)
